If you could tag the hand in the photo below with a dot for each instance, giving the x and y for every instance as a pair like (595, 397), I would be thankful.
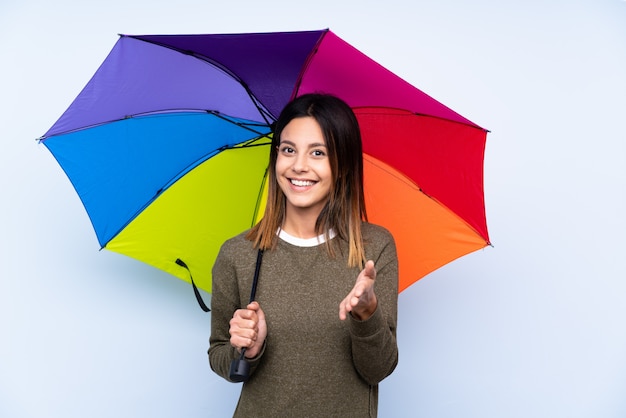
(361, 300)
(248, 329)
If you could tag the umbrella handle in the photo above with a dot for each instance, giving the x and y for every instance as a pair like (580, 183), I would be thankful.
(240, 368)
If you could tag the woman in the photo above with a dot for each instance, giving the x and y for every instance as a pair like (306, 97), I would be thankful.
(321, 333)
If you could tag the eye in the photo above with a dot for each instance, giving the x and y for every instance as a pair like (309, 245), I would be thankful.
(286, 149)
(318, 153)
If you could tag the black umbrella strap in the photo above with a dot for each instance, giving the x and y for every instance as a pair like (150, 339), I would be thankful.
(255, 280)
(195, 288)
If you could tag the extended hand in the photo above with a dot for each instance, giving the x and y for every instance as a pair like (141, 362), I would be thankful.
(361, 300)
(248, 329)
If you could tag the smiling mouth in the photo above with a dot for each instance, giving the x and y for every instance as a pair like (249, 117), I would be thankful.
(302, 183)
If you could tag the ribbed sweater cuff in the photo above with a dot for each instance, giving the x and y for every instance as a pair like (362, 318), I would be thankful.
(254, 361)
(369, 327)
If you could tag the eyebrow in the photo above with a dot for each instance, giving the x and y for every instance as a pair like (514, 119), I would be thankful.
(313, 145)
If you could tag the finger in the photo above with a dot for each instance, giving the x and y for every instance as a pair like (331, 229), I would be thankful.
(370, 270)
(239, 342)
(243, 314)
(343, 310)
(351, 303)
(238, 331)
(239, 321)
(260, 314)
(245, 329)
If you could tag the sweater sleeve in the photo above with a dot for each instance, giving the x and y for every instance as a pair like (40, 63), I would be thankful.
(224, 301)
(374, 345)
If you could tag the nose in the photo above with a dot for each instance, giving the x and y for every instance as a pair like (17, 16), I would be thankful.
(300, 163)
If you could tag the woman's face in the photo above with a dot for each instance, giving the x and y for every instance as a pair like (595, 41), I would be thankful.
(302, 167)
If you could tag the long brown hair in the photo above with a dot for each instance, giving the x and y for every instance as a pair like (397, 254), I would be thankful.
(345, 209)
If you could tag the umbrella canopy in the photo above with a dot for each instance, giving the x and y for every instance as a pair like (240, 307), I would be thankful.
(167, 147)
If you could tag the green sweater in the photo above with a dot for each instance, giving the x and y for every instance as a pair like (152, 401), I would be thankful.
(313, 364)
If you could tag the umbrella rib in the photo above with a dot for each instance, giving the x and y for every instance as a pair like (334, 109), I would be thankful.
(306, 64)
(239, 124)
(250, 143)
(158, 113)
(412, 183)
(247, 144)
(405, 112)
(262, 111)
(259, 199)
(265, 114)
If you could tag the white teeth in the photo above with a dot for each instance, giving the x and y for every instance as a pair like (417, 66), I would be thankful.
(302, 183)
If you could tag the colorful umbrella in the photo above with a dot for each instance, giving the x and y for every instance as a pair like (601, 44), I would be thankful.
(167, 147)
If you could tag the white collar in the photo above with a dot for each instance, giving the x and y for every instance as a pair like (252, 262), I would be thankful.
(304, 242)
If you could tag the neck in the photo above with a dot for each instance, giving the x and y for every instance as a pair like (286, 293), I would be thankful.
(301, 225)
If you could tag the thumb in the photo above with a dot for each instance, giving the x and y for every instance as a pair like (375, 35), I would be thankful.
(370, 270)
(260, 313)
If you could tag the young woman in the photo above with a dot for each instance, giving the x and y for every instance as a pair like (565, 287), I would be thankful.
(321, 333)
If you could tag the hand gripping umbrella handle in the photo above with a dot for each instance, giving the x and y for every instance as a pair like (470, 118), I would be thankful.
(240, 368)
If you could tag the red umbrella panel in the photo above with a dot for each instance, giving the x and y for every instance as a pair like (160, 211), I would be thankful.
(167, 147)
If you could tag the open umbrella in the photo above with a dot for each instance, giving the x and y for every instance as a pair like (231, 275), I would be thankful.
(167, 147)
